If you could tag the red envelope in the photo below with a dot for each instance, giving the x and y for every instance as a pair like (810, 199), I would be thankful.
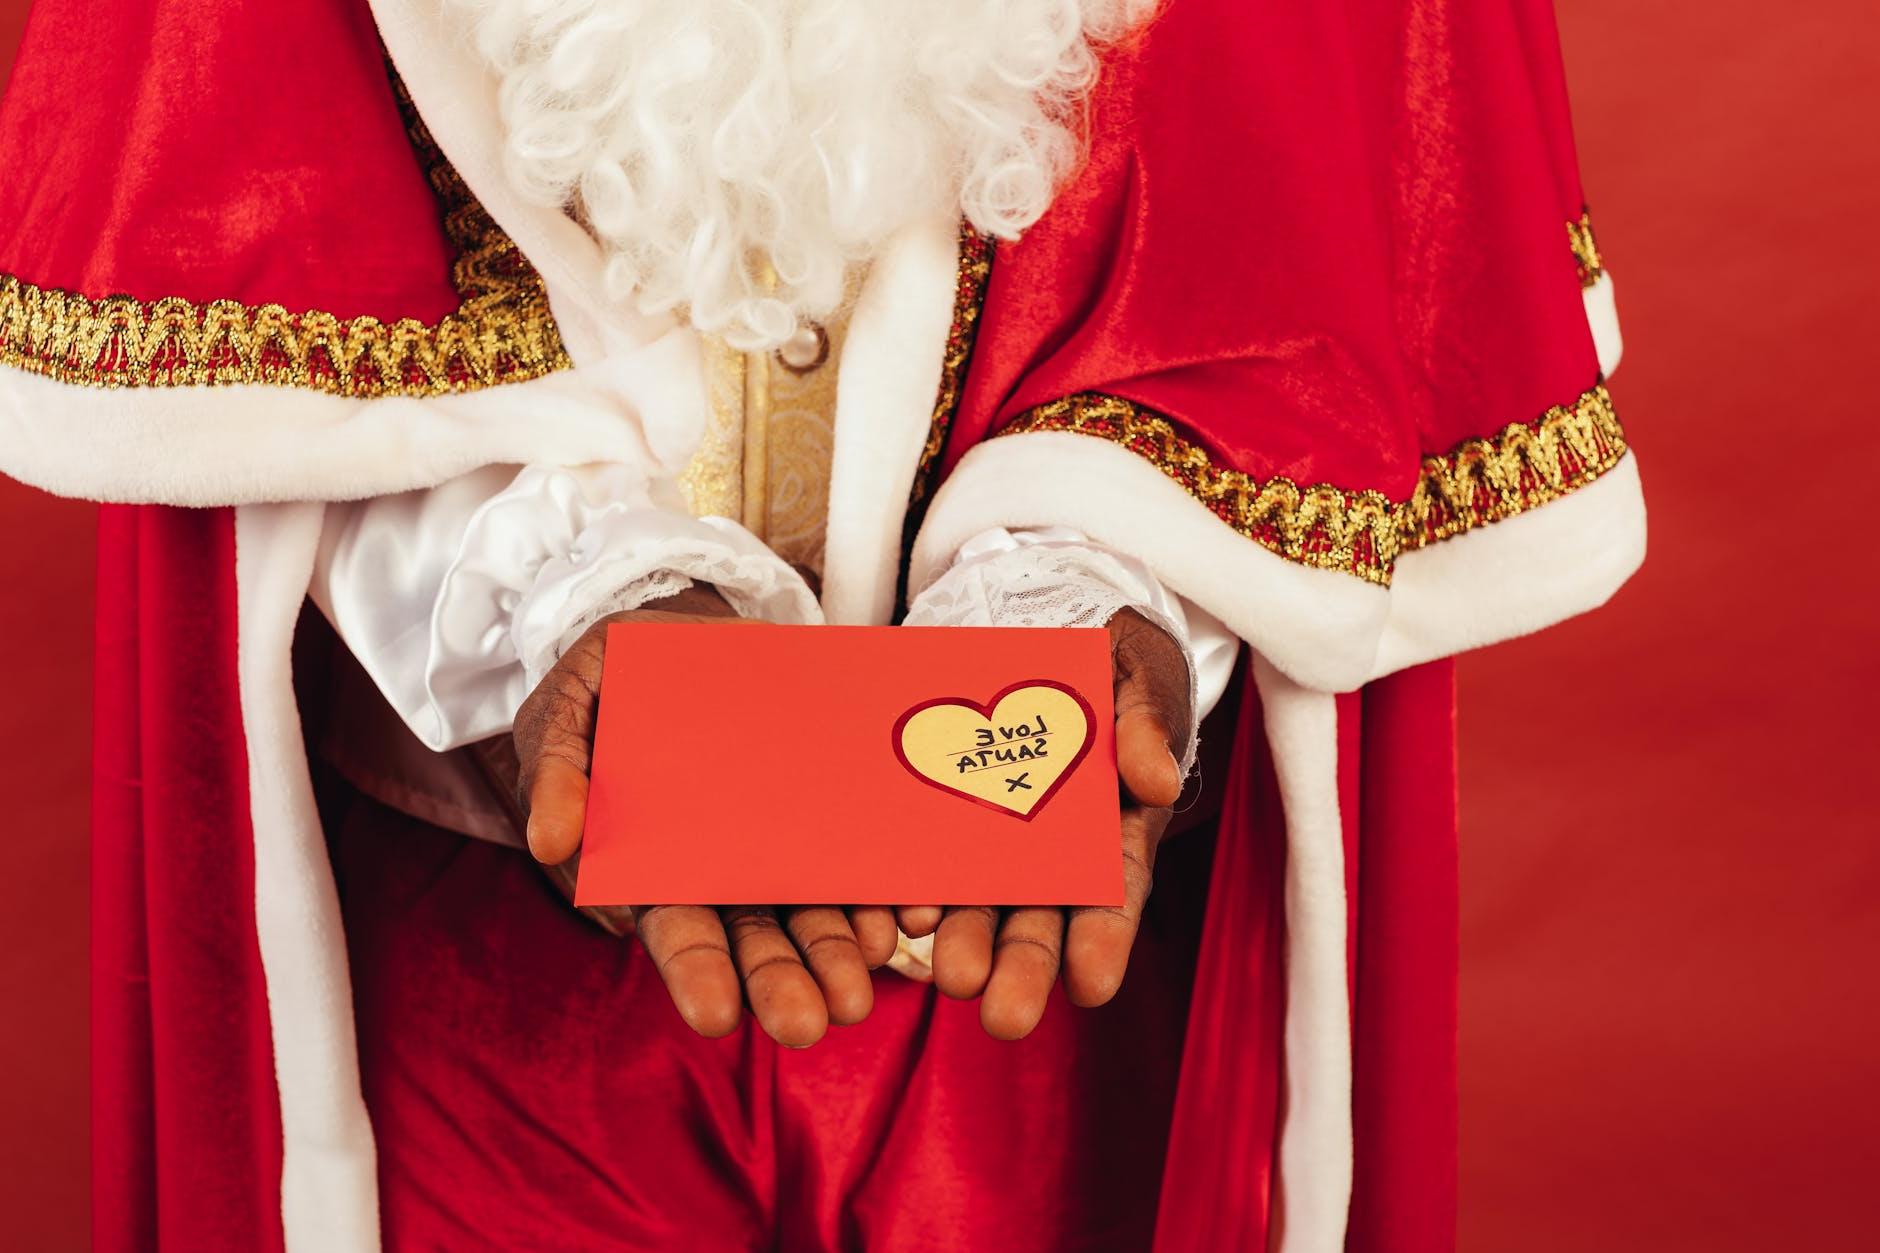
(853, 765)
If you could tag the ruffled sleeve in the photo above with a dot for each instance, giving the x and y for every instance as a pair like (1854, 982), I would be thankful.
(458, 599)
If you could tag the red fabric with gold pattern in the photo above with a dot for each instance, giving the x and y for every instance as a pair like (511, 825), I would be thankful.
(209, 208)
(217, 152)
(1328, 242)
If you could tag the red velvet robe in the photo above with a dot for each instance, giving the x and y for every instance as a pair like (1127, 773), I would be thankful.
(1324, 272)
(186, 1153)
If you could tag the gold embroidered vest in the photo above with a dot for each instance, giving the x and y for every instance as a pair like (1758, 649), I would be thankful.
(764, 458)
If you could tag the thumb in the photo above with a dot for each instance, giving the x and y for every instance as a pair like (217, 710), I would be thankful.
(557, 810)
(1152, 708)
(1144, 761)
(554, 734)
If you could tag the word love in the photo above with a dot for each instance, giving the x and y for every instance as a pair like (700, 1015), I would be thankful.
(1010, 754)
(988, 753)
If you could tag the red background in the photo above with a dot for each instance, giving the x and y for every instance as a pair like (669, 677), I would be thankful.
(1670, 1038)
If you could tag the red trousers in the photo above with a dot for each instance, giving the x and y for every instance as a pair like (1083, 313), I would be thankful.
(532, 1087)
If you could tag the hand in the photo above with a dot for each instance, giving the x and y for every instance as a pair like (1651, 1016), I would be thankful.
(801, 968)
(1012, 957)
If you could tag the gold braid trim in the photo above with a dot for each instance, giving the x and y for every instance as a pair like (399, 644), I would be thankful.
(1528, 465)
(1363, 532)
(503, 331)
(975, 267)
(969, 297)
(1585, 250)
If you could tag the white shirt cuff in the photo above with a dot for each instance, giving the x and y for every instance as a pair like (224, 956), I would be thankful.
(1054, 576)
(456, 600)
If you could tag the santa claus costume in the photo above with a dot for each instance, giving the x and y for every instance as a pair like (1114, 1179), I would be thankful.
(473, 320)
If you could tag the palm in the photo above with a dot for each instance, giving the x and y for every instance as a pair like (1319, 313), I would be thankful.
(1012, 957)
(800, 969)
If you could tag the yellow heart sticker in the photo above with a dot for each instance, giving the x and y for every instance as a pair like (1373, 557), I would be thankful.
(1010, 754)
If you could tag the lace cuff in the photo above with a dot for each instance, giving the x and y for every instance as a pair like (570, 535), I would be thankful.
(1053, 577)
(456, 599)
(627, 558)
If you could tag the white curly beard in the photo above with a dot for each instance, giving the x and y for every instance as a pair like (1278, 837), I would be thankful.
(737, 158)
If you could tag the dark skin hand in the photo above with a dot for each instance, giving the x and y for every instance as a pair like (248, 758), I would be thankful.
(1011, 958)
(800, 968)
(806, 967)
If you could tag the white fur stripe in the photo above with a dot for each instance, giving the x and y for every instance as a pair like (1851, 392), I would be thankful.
(1319, 626)
(1315, 1145)
(890, 373)
(254, 443)
(329, 1180)
(1325, 629)
(1602, 315)
(1516, 576)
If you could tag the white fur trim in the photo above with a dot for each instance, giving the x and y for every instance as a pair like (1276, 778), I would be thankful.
(329, 1179)
(254, 443)
(1315, 1141)
(890, 373)
(1319, 626)
(1514, 577)
(1324, 629)
(1602, 315)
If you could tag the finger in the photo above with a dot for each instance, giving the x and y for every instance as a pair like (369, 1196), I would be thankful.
(1153, 704)
(554, 736)
(918, 920)
(1025, 964)
(1096, 950)
(1144, 761)
(693, 956)
(788, 1004)
(962, 950)
(823, 936)
(557, 801)
(874, 930)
